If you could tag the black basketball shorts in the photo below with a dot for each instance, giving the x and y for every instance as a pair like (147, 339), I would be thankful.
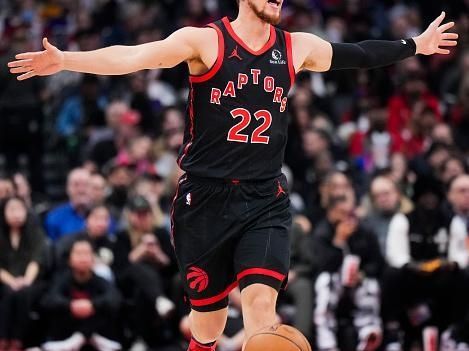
(229, 233)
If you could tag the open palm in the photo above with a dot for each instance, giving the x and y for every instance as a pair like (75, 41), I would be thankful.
(435, 38)
(40, 63)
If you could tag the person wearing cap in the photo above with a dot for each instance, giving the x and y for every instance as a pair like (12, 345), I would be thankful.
(144, 265)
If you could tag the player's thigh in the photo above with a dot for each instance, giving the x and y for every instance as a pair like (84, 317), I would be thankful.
(203, 242)
(262, 254)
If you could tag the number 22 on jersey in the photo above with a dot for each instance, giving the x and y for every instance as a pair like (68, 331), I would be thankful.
(257, 137)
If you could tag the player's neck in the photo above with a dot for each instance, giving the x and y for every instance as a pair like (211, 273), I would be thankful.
(251, 29)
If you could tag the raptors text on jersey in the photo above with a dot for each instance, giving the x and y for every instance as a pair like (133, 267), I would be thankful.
(236, 120)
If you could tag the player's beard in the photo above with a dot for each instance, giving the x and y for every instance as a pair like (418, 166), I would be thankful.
(263, 15)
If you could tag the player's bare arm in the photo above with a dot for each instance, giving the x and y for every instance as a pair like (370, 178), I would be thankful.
(184, 45)
(315, 54)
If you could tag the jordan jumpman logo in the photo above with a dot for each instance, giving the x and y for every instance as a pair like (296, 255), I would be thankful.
(280, 190)
(235, 54)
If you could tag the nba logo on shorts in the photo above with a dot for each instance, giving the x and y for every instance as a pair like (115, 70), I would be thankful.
(188, 199)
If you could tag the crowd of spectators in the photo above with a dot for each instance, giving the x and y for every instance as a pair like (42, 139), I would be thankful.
(377, 163)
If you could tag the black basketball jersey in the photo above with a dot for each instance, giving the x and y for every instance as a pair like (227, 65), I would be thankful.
(236, 120)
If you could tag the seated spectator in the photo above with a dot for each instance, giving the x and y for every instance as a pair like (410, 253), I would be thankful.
(98, 189)
(386, 200)
(333, 184)
(137, 153)
(120, 176)
(413, 93)
(108, 147)
(419, 289)
(21, 255)
(144, 265)
(98, 222)
(70, 217)
(349, 263)
(458, 251)
(82, 307)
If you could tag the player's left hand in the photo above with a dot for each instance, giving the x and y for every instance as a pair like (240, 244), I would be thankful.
(435, 38)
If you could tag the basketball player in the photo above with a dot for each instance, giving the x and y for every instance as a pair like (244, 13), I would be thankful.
(230, 216)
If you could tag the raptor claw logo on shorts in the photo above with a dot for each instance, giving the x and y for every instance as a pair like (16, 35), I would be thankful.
(197, 279)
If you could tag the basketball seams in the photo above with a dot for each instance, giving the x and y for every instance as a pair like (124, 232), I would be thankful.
(282, 336)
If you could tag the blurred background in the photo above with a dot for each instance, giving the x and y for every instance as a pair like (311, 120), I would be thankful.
(376, 161)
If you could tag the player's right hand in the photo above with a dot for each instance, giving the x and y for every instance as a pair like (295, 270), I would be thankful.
(40, 63)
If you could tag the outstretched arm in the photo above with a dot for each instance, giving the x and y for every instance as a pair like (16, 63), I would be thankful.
(314, 54)
(182, 45)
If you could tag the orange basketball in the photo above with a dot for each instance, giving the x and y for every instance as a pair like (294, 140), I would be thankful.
(279, 337)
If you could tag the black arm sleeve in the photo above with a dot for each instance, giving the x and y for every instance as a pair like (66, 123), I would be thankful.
(371, 53)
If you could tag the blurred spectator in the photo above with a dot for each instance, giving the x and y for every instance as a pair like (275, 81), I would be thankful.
(412, 97)
(137, 153)
(347, 292)
(83, 111)
(144, 265)
(69, 218)
(422, 285)
(22, 249)
(98, 223)
(98, 189)
(114, 112)
(81, 306)
(386, 200)
(458, 251)
(167, 147)
(372, 149)
(119, 176)
(332, 185)
(7, 188)
(107, 147)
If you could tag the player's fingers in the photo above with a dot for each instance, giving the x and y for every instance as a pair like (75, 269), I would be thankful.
(19, 63)
(449, 43)
(450, 36)
(27, 75)
(439, 19)
(27, 55)
(20, 69)
(442, 51)
(445, 27)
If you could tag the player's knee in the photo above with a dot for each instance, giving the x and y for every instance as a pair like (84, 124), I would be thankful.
(260, 298)
(209, 326)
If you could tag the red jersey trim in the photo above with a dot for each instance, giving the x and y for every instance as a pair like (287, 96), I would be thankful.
(260, 271)
(267, 46)
(216, 66)
(291, 67)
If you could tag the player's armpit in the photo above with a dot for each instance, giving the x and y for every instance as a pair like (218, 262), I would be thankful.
(311, 52)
